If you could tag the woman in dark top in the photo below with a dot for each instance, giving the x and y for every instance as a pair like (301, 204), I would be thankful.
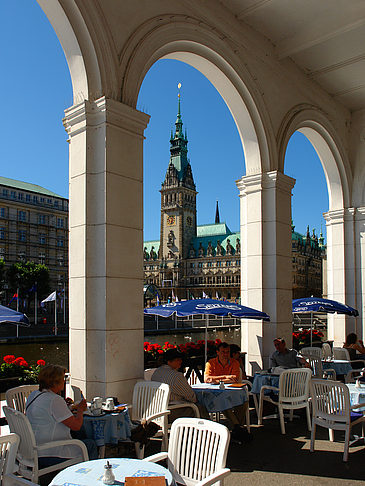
(354, 346)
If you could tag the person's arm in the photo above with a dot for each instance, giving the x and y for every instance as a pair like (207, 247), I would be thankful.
(273, 362)
(359, 346)
(75, 422)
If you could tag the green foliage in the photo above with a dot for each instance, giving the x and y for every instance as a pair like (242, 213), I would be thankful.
(23, 276)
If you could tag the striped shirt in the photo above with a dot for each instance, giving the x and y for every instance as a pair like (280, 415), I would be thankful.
(180, 390)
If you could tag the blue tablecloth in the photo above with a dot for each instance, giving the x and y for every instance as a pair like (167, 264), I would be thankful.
(357, 395)
(90, 473)
(108, 428)
(216, 400)
(261, 379)
(341, 366)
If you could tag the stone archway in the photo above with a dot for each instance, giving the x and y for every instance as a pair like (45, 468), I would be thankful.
(340, 221)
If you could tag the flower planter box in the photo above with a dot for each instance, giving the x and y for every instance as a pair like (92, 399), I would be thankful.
(9, 382)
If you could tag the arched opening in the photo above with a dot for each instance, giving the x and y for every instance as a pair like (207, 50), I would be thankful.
(339, 279)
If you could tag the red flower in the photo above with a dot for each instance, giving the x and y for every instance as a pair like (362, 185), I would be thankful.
(9, 358)
(41, 362)
(18, 360)
(23, 363)
(160, 351)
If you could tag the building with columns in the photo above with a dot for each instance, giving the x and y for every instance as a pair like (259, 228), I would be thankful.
(191, 261)
(280, 67)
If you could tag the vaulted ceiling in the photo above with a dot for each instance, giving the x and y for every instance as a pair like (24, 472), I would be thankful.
(325, 38)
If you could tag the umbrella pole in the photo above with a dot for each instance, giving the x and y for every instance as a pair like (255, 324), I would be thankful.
(206, 339)
(311, 328)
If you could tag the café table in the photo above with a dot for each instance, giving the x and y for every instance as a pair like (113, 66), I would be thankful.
(341, 366)
(108, 428)
(263, 378)
(90, 473)
(357, 395)
(217, 400)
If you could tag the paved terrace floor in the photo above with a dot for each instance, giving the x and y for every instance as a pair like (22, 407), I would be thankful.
(275, 459)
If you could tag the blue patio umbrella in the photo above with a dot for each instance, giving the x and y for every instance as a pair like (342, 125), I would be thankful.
(10, 316)
(207, 307)
(309, 305)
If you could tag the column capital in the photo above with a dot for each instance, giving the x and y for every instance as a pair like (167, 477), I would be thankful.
(266, 180)
(104, 111)
(339, 216)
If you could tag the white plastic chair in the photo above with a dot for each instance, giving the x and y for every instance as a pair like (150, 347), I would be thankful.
(311, 352)
(326, 351)
(8, 449)
(197, 452)
(150, 403)
(293, 394)
(318, 371)
(193, 378)
(17, 397)
(332, 409)
(343, 354)
(148, 373)
(27, 456)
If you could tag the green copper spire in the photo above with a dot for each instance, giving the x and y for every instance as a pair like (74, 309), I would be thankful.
(179, 144)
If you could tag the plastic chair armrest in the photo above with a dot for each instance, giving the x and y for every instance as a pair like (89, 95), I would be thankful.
(213, 478)
(248, 383)
(58, 443)
(358, 361)
(175, 405)
(160, 456)
(359, 405)
(13, 480)
(157, 415)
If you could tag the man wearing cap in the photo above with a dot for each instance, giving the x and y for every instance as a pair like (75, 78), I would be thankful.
(180, 390)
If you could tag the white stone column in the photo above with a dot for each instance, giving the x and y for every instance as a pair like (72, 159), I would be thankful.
(266, 262)
(360, 269)
(341, 270)
(106, 238)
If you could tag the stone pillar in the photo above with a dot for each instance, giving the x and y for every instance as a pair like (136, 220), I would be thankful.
(360, 269)
(341, 271)
(106, 239)
(266, 262)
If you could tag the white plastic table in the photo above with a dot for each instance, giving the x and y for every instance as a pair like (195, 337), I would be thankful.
(90, 473)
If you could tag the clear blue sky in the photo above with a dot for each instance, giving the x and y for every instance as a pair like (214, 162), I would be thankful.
(36, 89)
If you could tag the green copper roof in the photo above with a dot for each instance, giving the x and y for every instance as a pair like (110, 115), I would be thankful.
(213, 239)
(26, 186)
(219, 229)
(149, 244)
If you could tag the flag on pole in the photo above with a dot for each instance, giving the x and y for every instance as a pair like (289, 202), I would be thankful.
(217, 296)
(157, 299)
(176, 299)
(204, 295)
(50, 298)
(15, 297)
(172, 296)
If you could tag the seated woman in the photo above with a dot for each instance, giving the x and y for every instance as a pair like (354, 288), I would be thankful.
(52, 420)
(354, 346)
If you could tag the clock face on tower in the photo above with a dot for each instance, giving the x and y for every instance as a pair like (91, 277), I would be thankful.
(171, 220)
(189, 221)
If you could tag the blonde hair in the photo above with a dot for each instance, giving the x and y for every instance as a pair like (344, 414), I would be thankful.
(50, 375)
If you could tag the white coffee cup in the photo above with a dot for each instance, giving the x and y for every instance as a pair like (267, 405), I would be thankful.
(97, 402)
(109, 404)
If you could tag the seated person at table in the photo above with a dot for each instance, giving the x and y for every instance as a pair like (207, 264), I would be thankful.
(180, 390)
(52, 420)
(226, 369)
(354, 346)
(286, 358)
(235, 352)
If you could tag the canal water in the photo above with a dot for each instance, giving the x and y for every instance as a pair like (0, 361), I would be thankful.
(57, 352)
